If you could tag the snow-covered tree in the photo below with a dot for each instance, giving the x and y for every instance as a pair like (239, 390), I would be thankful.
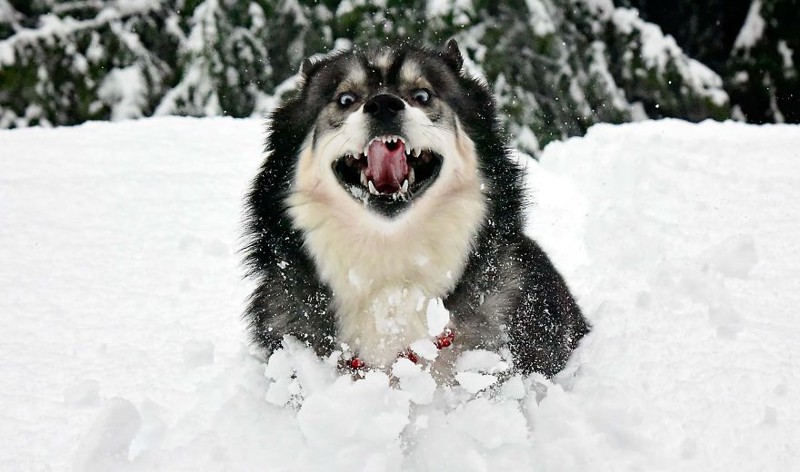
(66, 62)
(764, 70)
(557, 66)
(752, 44)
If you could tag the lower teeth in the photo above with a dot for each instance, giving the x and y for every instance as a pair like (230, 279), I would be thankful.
(402, 191)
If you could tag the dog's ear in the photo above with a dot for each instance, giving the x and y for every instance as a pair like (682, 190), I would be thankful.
(452, 55)
(305, 67)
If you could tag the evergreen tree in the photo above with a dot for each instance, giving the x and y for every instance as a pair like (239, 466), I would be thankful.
(63, 63)
(752, 44)
(557, 66)
(763, 74)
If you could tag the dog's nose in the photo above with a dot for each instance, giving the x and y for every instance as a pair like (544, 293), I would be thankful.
(384, 106)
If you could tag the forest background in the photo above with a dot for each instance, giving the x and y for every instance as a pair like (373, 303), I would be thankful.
(556, 66)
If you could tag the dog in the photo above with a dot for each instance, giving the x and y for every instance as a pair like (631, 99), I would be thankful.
(388, 191)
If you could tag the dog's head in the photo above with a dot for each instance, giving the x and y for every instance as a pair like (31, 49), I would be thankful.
(385, 127)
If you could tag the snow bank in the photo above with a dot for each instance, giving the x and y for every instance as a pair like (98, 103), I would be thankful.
(120, 295)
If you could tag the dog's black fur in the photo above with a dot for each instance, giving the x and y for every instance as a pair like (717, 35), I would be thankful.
(542, 323)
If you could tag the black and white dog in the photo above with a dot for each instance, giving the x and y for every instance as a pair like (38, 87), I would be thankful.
(387, 188)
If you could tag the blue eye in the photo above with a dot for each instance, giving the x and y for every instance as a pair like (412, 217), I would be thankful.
(346, 99)
(422, 96)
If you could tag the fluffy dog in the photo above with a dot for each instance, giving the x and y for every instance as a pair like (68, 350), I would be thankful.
(387, 189)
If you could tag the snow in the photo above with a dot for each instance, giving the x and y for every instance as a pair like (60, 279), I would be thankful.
(425, 348)
(7, 12)
(752, 29)
(123, 347)
(786, 55)
(658, 50)
(415, 381)
(51, 25)
(600, 69)
(437, 316)
(474, 382)
(196, 90)
(461, 12)
(480, 360)
(125, 90)
(541, 20)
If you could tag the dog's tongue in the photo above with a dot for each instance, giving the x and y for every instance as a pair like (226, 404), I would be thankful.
(387, 168)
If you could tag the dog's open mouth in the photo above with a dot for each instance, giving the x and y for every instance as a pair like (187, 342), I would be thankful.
(389, 170)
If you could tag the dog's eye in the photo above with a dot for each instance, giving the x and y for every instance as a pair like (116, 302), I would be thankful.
(346, 99)
(422, 96)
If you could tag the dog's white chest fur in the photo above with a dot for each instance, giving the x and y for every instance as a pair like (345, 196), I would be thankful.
(384, 271)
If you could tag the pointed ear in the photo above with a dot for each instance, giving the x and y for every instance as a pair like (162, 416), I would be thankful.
(452, 55)
(305, 67)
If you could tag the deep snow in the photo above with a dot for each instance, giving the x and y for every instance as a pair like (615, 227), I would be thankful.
(122, 348)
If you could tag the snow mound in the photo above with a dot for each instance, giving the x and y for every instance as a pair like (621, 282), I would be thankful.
(121, 291)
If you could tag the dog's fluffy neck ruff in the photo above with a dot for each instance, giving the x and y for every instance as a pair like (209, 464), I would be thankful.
(383, 271)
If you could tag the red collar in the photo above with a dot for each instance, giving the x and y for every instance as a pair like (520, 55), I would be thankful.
(442, 341)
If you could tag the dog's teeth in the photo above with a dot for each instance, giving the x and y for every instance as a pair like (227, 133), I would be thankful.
(364, 178)
(410, 175)
(417, 152)
(366, 150)
(372, 188)
(404, 189)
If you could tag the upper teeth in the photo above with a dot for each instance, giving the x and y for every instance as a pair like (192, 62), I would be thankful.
(415, 152)
(390, 138)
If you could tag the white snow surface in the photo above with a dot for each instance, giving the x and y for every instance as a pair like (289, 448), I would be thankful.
(122, 346)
